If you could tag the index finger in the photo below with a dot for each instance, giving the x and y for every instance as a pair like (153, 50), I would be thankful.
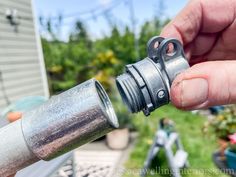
(201, 16)
(12, 176)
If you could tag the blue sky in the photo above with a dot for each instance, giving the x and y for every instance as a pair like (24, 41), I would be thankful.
(99, 25)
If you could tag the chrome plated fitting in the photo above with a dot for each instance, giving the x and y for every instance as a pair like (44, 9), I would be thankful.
(145, 85)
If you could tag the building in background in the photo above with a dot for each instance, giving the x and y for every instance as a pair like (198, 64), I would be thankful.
(22, 70)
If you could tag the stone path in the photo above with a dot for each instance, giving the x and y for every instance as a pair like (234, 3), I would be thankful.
(95, 160)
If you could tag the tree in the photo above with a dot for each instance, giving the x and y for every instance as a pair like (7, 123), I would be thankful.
(79, 59)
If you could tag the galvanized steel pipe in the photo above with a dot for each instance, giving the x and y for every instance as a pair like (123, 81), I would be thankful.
(66, 121)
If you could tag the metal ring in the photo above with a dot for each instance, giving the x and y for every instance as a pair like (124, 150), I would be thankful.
(151, 49)
(162, 51)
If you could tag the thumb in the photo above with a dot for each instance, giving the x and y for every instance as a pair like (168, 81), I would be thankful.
(204, 85)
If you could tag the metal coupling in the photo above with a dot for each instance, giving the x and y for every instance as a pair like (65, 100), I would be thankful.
(73, 118)
(145, 85)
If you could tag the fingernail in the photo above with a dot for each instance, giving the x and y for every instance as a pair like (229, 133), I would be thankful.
(193, 92)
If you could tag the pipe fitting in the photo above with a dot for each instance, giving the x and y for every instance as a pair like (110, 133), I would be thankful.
(71, 119)
(145, 85)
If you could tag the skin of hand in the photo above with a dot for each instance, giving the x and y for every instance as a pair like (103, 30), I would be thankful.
(207, 30)
(13, 116)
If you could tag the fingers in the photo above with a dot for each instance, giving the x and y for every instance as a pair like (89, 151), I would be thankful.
(13, 116)
(205, 84)
(186, 25)
(201, 16)
(12, 175)
(202, 44)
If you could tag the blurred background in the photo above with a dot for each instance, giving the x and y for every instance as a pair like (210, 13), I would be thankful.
(47, 47)
(99, 38)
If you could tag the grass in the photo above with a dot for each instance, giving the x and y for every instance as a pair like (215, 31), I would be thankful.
(199, 146)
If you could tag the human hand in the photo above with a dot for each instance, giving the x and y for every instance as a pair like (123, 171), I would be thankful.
(12, 175)
(13, 116)
(207, 29)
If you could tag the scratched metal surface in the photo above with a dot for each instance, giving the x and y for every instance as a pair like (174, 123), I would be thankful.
(14, 152)
(66, 121)
(69, 120)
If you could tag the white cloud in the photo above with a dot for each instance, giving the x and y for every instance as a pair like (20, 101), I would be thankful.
(105, 2)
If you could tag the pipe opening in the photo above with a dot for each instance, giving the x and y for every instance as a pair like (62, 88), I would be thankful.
(107, 105)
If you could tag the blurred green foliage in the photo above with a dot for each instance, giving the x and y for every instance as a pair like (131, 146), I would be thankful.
(223, 124)
(199, 145)
(79, 59)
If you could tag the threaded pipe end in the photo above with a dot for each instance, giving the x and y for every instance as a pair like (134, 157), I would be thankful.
(130, 92)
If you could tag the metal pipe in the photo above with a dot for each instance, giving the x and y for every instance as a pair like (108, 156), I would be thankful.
(73, 118)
